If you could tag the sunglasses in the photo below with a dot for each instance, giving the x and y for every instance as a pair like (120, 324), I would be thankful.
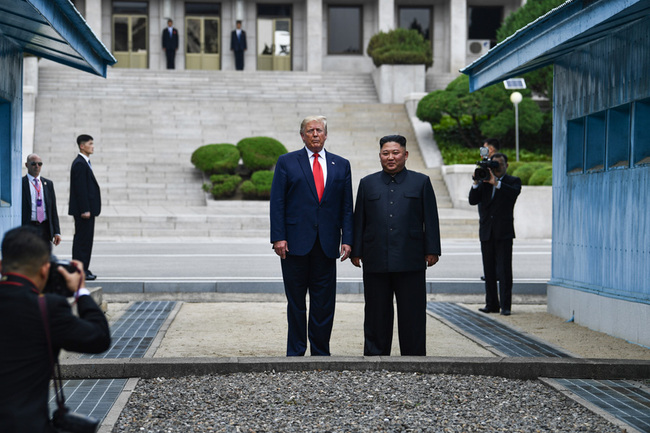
(33, 164)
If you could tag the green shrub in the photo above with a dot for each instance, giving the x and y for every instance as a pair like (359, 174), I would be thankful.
(260, 153)
(513, 166)
(259, 186)
(216, 158)
(540, 176)
(548, 181)
(526, 171)
(223, 185)
(400, 47)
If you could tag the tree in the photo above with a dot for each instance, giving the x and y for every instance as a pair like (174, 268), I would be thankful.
(539, 81)
(484, 113)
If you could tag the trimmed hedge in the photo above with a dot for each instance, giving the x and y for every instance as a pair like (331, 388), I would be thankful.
(258, 187)
(532, 173)
(526, 171)
(400, 47)
(541, 176)
(223, 185)
(216, 158)
(260, 153)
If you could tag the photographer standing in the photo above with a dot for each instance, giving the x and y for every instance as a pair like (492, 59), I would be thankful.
(495, 196)
(25, 365)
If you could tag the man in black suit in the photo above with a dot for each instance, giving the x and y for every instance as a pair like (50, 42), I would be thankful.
(39, 201)
(396, 237)
(238, 45)
(85, 203)
(311, 226)
(25, 364)
(170, 43)
(496, 197)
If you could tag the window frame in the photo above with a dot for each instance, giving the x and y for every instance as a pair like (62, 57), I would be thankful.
(359, 7)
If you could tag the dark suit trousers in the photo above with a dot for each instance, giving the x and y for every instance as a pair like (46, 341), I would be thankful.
(82, 243)
(171, 58)
(44, 230)
(239, 60)
(410, 291)
(497, 265)
(314, 273)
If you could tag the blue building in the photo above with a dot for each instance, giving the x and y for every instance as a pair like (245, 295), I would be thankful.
(600, 50)
(52, 29)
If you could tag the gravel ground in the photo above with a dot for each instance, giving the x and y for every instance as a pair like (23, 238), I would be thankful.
(347, 401)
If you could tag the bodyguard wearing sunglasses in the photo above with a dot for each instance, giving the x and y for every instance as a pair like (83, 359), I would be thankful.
(39, 201)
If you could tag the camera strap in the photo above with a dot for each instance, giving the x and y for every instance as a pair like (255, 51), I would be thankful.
(54, 363)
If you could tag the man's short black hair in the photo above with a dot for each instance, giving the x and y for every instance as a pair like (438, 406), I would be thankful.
(494, 142)
(83, 138)
(24, 249)
(401, 140)
(500, 155)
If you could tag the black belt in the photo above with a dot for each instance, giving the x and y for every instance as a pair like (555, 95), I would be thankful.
(36, 223)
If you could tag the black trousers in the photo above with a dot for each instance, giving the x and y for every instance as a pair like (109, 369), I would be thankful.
(44, 230)
(409, 289)
(239, 60)
(314, 273)
(171, 58)
(82, 243)
(497, 265)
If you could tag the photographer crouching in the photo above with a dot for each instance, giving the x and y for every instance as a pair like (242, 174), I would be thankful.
(495, 193)
(25, 364)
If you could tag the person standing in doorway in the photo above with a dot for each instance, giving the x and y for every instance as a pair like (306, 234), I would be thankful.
(39, 202)
(238, 45)
(85, 203)
(170, 44)
(311, 226)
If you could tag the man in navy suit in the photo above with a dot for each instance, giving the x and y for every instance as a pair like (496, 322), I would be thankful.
(496, 199)
(311, 226)
(396, 236)
(39, 201)
(85, 203)
(238, 45)
(170, 43)
(25, 356)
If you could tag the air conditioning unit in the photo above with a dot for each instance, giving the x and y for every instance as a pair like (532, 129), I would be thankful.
(478, 47)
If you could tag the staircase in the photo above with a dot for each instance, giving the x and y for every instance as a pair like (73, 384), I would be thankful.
(146, 124)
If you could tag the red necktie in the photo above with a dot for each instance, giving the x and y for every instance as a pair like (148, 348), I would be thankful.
(318, 177)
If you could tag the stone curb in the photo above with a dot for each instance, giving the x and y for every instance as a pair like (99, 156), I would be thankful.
(510, 367)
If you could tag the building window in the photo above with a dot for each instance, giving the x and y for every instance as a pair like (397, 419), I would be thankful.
(344, 30)
(130, 8)
(483, 22)
(575, 146)
(641, 143)
(5, 153)
(595, 141)
(618, 137)
(203, 9)
(417, 19)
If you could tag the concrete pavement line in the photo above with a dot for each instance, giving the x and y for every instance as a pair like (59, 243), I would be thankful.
(507, 367)
(551, 383)
(118, 406)
(155, 344)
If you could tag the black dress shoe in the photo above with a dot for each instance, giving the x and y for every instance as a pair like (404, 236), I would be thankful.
(90, 276)
(488, 310)
(505, 312)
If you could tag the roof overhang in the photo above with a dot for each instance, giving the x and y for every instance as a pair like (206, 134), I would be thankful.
(563, 30)
(55, 30)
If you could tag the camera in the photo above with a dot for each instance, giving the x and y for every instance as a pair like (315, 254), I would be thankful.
(71, 422)
(482, 172)
(55, 281)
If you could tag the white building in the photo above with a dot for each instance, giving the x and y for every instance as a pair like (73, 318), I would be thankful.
(297, 35)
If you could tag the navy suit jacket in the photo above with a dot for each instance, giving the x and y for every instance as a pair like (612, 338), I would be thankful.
(296, 214)
(395, 223)
(496, 221)
(50, 205)
(170, 42)
(238, 44)
(84, 189)
(25, 364)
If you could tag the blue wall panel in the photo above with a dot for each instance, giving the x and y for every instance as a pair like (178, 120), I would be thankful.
(601, 223)
(11, 81)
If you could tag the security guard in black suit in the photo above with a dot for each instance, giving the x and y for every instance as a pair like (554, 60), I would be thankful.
(38, 192)
(396, 237)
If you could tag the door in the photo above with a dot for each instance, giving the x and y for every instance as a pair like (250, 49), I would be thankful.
(273, 44)
(130, 41)
(202, 43)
